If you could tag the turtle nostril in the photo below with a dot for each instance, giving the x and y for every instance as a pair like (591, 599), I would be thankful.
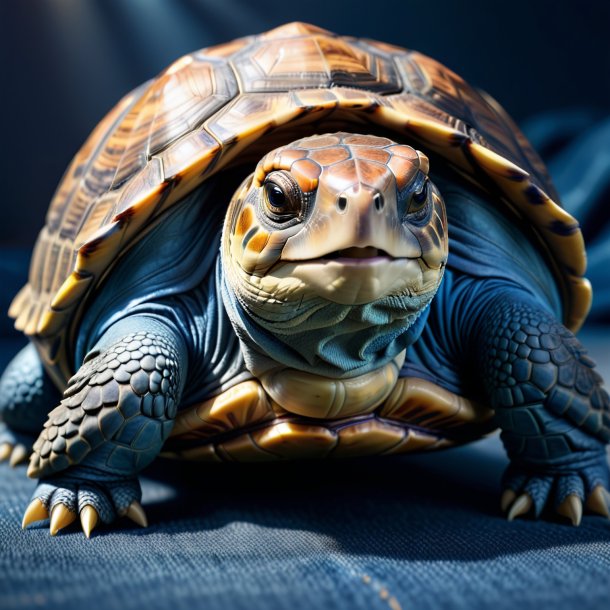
(342, 203)
(379, 202)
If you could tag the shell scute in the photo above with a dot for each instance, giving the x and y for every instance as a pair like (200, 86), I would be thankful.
(89, 156)
(190, 156)
(310, 61)
(180, 100)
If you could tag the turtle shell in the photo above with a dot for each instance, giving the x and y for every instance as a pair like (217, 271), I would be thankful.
(234, 102)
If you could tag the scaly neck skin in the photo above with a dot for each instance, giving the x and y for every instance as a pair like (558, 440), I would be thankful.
(325, 338)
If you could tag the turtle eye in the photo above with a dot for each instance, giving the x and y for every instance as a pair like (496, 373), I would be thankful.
(419, 198)
(283, 199)
(275, 196)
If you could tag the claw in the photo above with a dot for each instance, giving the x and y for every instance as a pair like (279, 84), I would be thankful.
(597, 502)
(36, 511)
(5, 451)
(571, 508)
(508, 497)
(136, 513)
(61, 517)
(88, 519)
(20, 454)
(521, 506)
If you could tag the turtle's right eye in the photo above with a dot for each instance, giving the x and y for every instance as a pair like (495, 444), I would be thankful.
(283, 199)
(275, 196)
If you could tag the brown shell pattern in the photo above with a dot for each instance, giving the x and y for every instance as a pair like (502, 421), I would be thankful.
(241, 100)
(244, 425)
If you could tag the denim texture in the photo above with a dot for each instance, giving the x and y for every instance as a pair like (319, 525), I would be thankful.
(419, 532)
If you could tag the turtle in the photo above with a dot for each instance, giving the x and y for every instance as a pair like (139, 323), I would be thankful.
(303, 245)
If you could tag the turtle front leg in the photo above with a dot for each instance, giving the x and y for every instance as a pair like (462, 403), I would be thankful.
(551, 407)
(114, 417)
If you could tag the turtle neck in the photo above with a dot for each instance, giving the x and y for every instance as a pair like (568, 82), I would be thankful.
(325, 338)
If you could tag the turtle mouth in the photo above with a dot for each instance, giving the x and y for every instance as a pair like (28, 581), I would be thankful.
(358, 256)
(349, 280)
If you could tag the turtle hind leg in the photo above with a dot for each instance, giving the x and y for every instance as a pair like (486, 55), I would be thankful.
(551, 408)
(27, 394)
(115, 415)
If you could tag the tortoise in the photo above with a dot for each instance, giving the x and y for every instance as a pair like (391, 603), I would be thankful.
(302, 245)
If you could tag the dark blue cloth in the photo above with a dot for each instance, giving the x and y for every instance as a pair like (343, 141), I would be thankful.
(417, 532)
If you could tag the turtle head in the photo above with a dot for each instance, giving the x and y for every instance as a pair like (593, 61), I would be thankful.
(349, 218)
(341, 219)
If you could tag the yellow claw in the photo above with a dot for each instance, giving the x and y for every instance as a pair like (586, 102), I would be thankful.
(88, 519)
(5, 451)
(508, 497)
(20, 454)
(136, 513)
(61, 517)
(597, 503)
(520, 507)
(571, 508)
(36, 511)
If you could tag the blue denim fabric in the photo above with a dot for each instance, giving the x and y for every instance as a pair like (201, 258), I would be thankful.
(419, 532)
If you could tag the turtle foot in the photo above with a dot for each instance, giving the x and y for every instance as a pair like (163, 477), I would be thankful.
(15, 448)
(64, 499)
(568, 494)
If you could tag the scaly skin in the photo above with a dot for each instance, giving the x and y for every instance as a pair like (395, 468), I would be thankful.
(549, 403)
(26, 391)
(115, 415)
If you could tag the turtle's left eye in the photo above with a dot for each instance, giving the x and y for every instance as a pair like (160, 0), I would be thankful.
(419, 198)
(283, 199)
